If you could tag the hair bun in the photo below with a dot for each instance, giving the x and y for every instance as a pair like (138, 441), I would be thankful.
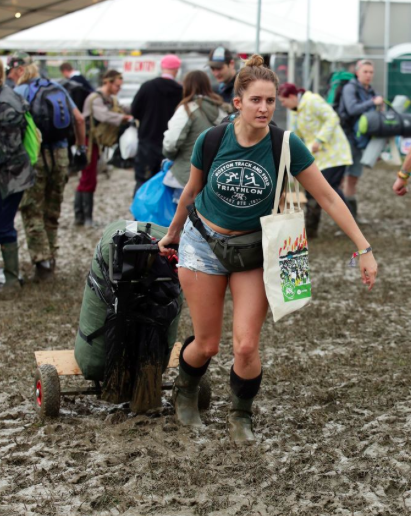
(255, 60)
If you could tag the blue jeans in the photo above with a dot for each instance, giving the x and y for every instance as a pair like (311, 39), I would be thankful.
(195, 254)
(8, 210)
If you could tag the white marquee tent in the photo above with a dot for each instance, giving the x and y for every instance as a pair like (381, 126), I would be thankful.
(164, 25)
(18, 15)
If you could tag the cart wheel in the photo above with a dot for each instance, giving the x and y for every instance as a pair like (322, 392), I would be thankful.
(204, 395)
(47, 391)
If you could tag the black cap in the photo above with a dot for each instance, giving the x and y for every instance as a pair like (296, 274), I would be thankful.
(219, 57)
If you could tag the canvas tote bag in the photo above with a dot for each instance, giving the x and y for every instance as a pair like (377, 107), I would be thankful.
(286, 275)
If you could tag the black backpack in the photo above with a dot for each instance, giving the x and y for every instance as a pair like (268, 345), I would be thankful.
(51, 110)
(77, 92)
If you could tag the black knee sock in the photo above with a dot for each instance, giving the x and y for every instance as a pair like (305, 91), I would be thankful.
(187, 368)
(245, 389)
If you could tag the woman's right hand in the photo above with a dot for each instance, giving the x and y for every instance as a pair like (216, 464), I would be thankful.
(165, 241)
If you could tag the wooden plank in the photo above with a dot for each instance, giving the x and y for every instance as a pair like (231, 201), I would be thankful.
(63, 361)
(175, 354)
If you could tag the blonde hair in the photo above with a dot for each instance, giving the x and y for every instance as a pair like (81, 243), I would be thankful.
(254, 70)
(1, 72)
(363, 62)
(31, 71)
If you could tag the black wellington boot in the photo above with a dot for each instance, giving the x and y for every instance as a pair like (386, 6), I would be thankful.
(239, 420)
(78, 209)
(10, 254)
(243, 392)
(88, 202)
(352, 205)
(185, 392)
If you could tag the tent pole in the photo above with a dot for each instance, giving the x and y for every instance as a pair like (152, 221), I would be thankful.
(257, 38)
(291, 63)
(386, 45)
(291, 73)
(316, 78)
(307, 50)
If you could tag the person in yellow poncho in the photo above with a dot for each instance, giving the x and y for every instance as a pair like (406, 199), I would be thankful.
(315, 122)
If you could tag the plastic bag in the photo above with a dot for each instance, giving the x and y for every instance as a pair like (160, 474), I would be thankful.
(128, 142)
(153, 202)
(32, 139)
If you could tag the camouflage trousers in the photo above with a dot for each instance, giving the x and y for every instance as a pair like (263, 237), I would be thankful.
(41, 204)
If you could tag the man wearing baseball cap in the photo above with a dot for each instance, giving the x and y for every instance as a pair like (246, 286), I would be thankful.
(15, 67)
(222, 66)
(153, 106)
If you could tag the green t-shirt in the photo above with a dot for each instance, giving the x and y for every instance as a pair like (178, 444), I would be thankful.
(241, 183)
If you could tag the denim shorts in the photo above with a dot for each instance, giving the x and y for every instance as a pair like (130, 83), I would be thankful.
(355, 170)
(195, 254)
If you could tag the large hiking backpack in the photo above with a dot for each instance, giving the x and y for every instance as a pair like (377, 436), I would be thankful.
(337, 82)
(16, 173)
(128, 321)
(51, 110)
(77, 92)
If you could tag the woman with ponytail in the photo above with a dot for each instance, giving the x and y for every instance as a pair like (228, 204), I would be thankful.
(227, 204)
(316, 122)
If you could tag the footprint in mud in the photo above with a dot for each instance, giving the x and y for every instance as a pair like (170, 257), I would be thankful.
(16, 460)
(116, 418)
(170, 427)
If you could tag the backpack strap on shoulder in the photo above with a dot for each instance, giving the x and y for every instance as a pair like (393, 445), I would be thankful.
(277, 136)
(211, 144)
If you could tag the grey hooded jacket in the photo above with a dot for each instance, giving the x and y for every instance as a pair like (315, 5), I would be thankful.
(355, 100)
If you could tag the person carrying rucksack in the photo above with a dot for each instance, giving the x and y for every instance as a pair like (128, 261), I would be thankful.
(16, 175)
(75, 76)
(357, 97)
(222, 66)
(56, 115)
(227, 193)
(103, 116)
(199, 110)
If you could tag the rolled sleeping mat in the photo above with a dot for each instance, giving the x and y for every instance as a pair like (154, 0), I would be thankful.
(385, 125)
(376, 145)
(91, 355)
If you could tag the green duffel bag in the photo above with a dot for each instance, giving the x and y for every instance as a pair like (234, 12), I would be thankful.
(90, 346)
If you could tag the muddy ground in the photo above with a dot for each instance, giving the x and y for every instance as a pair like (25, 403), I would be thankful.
(333, 418)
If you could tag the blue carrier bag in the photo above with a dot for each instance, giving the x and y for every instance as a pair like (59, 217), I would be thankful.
(51, 110)
(153, 201)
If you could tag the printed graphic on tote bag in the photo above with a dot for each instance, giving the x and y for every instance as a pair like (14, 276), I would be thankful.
(295, 278)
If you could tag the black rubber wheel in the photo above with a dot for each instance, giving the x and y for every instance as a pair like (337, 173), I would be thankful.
(47, 391)
(204, 395)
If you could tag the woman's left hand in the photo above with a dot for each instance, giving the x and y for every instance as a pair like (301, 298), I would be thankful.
(368, 267)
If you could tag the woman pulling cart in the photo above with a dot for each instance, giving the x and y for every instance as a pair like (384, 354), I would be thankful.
(239, 189)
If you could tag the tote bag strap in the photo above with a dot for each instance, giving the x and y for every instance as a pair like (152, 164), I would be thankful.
(285, 163)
